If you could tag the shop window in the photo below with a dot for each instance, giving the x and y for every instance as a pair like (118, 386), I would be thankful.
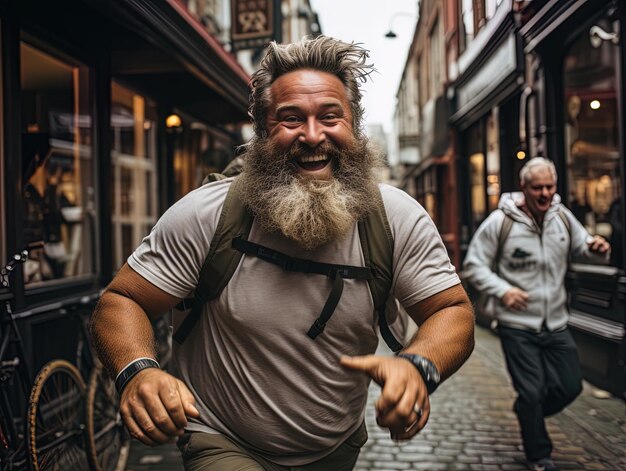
(493, 161)
(436, 56)
(198, 151)
(490, 8)
(474, 140)
(57, 167)
(592, 135)
(133, 155)
(477, 188)
(466, 24)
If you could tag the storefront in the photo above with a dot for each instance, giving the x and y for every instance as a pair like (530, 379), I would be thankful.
(578, 61)
(485, 115)
(110, 112)
(434, 178)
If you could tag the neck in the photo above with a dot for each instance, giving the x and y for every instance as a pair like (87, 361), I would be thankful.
(537, 217)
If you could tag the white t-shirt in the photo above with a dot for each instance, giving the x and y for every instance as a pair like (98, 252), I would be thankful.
(256, 375)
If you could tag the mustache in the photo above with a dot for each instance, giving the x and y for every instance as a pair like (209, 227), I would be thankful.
(298, 150)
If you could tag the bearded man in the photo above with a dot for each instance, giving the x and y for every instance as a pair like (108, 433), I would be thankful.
(252, 390)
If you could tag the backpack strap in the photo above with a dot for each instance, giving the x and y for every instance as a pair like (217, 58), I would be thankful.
(505, 229)
(337, 273)
(221, 261)
(213, 177)
(377, 245)
(230, 242)
(569, 231)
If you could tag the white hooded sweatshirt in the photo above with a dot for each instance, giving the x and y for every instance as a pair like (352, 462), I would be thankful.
(533, 258)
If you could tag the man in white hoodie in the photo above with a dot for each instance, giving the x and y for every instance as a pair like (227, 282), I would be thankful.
(528, 279)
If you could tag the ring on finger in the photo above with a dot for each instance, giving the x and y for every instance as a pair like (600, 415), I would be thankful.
(418, 411)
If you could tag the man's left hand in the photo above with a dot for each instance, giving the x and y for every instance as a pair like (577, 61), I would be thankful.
(599, 245)
(403, 406)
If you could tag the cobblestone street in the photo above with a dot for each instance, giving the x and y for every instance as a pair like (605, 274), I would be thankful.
(472, 427)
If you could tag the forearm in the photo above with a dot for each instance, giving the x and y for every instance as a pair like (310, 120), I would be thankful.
(446, 338)
(121, 331)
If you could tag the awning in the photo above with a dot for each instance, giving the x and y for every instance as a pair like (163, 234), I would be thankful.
(155, 46)
(176, 59)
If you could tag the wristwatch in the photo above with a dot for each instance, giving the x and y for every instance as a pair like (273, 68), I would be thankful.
(427, 369)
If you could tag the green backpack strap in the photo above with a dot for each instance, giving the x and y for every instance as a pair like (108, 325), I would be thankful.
(213, 177)
(377, 245)
(222, 260)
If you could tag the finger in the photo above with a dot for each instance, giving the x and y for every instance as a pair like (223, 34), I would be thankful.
(368, 364)
(188, 400)
(161, 417)
(365, 363)
(409, 432)
(417, 411)
(173, 406)
(148, 427)
(135, 431)
(396, 407)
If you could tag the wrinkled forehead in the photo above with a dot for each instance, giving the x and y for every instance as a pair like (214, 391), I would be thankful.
(541, 176)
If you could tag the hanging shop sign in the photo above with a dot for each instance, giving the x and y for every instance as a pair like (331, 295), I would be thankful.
(254, 23)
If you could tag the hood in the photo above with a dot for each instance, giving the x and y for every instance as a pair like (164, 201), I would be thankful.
(510, 203)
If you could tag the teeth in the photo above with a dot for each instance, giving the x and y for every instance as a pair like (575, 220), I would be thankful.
(313, 158)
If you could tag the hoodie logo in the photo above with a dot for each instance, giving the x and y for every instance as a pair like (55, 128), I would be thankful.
(520, 260)
(519, 253)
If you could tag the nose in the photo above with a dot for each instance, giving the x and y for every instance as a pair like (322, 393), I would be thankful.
(545, 191)
(312, 133)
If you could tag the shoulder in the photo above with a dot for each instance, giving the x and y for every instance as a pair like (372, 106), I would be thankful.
(398, 202)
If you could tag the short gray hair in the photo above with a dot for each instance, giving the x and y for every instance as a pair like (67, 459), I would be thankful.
(533, 164)
(347, 61)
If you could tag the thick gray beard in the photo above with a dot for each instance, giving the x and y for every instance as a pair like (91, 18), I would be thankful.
(310, 212)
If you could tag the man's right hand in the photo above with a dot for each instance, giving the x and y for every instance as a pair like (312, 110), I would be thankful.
(515, 299)
(155, 406)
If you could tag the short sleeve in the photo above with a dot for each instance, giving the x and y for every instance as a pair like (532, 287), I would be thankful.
(171, 256)
(421, 264)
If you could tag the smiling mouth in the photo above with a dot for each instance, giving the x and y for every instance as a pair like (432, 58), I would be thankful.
(312, 162)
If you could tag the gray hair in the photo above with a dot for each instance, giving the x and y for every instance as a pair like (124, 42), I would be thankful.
(347, 61)
(533, 164)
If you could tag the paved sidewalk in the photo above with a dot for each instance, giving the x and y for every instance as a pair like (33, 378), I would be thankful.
(472, 427)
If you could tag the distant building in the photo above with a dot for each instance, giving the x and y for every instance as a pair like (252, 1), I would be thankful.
(489, 84)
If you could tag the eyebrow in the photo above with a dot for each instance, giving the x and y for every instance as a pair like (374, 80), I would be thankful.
(291, 107)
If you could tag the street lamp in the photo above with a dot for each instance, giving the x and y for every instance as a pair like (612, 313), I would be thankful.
(390, 34)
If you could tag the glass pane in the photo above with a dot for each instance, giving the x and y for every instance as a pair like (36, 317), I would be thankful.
(128, 244)
(126, 201)
(493, 161)
(466, 24)
(477, 188)
(57, 166)
(133, 141)
(592, 136)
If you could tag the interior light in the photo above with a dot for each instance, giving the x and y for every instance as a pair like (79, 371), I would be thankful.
(594, 105)
(521, 155)
(173, 121)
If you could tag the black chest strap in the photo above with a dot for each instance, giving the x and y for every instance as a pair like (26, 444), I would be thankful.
(337, 273)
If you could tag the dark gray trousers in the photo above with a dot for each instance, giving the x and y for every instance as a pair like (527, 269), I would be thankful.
(546, 375)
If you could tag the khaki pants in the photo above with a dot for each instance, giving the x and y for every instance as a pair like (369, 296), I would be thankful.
(213, 452)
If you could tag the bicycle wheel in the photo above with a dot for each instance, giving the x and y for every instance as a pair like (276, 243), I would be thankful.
(56, 419)
(108, 441)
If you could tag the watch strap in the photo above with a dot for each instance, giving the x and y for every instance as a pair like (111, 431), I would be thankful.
(426, 368)
(130, 370)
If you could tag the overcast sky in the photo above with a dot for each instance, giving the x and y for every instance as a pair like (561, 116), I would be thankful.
(367, 21)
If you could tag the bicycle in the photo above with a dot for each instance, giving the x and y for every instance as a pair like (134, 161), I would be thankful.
(53, 427)
(107, 440)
